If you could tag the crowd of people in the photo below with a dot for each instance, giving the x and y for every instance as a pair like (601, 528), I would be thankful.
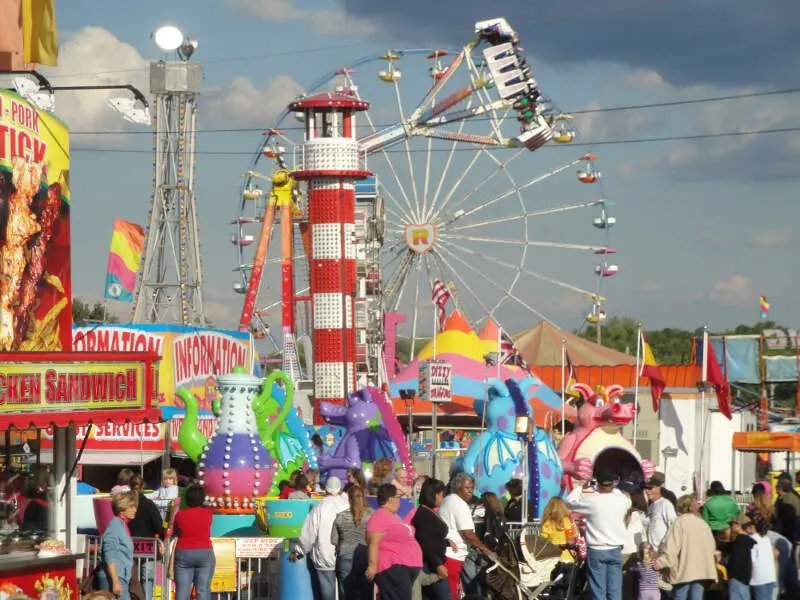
(643, 544)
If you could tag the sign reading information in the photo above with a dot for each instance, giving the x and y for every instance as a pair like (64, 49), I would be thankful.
(71, 386)
(436, 381)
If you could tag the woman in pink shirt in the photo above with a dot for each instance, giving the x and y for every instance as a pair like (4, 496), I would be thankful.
(395, 557)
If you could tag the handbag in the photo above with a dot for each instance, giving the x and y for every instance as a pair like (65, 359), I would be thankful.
(87, 583)
(135, 588)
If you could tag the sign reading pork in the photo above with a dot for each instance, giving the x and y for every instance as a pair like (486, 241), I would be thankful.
(35, 290)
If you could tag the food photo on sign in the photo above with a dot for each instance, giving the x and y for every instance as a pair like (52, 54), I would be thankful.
(35, 290)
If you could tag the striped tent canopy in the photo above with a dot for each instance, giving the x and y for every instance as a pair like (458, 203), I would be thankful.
(459, 345)
(540, 346)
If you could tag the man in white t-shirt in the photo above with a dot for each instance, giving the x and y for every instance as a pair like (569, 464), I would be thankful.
(604, 510)
(456, 513)
(660, 512)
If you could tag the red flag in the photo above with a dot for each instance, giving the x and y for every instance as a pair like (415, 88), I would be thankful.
(651, 371)
(717, 379)
(440, 295)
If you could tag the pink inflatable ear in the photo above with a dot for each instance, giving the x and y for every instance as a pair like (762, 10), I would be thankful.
(584, 390)
(614, 391)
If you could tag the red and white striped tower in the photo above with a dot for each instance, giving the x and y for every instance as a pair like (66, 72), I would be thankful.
(331, 163)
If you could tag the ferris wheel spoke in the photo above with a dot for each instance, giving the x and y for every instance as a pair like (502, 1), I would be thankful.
(411, 175)
(403, 219)
(399, 280)
(428, 214)
(506, 293)
(440, 83)
(415, 316)
(483, 92)
(525, 215)
(390, 164)
(514, 190)
(494, 240)
(501, 168)
(446, 266)
(519, 268)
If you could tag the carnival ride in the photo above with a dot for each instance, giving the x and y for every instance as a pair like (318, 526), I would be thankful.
(444, 194)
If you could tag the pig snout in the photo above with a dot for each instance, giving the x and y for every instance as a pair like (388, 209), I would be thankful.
(617, 412)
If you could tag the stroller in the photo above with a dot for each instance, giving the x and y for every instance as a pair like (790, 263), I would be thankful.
(513, 576)
(542, 563)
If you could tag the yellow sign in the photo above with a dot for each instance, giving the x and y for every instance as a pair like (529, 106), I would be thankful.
(226, 571)
(71, 386)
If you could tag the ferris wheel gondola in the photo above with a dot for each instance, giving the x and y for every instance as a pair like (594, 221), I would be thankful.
(455, 196)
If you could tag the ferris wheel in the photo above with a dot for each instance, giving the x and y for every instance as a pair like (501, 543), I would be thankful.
(463, 196)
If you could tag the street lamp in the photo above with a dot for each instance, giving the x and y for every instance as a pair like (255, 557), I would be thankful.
(41, 93)
(171, 39)
(408, 396)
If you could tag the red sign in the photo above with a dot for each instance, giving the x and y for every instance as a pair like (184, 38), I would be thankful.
(207, 425)
(58, 579)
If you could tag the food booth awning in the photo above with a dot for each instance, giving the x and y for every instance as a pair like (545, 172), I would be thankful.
(766, 441)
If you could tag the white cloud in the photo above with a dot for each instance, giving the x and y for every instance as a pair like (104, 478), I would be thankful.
(94, 56)
(771, 239)
(324, 21)
(647, 79)
(737, 290)
(241, 103)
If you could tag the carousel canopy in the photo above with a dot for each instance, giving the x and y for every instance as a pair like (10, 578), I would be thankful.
(460, 346)
(541, 346)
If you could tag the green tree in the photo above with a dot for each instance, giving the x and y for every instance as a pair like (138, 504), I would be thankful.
(84, 313)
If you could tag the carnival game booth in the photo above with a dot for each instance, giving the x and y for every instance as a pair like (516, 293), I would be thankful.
(768, 442)
(60, 392)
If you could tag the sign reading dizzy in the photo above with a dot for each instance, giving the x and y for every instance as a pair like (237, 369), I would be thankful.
(35, 290)
(71, 386)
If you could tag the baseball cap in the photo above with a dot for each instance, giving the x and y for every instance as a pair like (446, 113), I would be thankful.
(604, 477)
(657, 480)
(333, 485)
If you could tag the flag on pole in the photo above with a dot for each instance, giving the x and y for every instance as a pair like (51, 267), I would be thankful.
(717, 379)
(764, 307)
(39, 32)
(571, 377)
(440, 296)
(652, 372)
(509, 353)
(127, 246)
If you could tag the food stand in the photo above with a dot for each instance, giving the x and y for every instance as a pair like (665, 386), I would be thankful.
(63, 391)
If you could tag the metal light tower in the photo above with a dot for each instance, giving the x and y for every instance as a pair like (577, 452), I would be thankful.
(170, 276)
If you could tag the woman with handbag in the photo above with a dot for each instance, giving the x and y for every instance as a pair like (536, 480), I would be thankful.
(431, 535)
(116, 550)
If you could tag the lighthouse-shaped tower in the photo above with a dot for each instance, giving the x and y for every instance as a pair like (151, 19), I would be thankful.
(331, 162)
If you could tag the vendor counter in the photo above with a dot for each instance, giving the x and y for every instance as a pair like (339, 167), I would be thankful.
(51, 577)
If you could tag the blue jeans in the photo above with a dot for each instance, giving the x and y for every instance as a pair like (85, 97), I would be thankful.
(738, 590)
(148, 577)
(350, 571)
(762, 592)
(438, 591)
(323, 583)
(693, 590)
(104, 583)
(194, 567)
(604, 569)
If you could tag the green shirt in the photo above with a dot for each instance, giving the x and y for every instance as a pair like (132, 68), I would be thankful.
(719, 511)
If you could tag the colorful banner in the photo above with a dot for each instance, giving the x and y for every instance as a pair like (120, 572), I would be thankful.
(30, 387)
(35, 291)
(115, 437)
(124, 256)
(191, 357)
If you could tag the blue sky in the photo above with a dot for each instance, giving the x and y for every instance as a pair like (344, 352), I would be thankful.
(704, 226)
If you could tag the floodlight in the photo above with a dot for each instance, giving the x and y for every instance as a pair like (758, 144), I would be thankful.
(187, 48)
(168, 38)
(31, 91)
(132, 110)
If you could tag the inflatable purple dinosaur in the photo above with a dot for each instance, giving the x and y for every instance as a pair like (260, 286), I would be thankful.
(371, 432)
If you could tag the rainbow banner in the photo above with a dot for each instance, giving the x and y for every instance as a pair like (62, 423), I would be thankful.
(127, 245)
(763, 308)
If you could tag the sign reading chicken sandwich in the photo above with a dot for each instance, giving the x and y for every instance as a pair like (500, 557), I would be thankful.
(35, 289)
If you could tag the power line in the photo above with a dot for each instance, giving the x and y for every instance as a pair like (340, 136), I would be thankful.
(675, 138)
(587, 111)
